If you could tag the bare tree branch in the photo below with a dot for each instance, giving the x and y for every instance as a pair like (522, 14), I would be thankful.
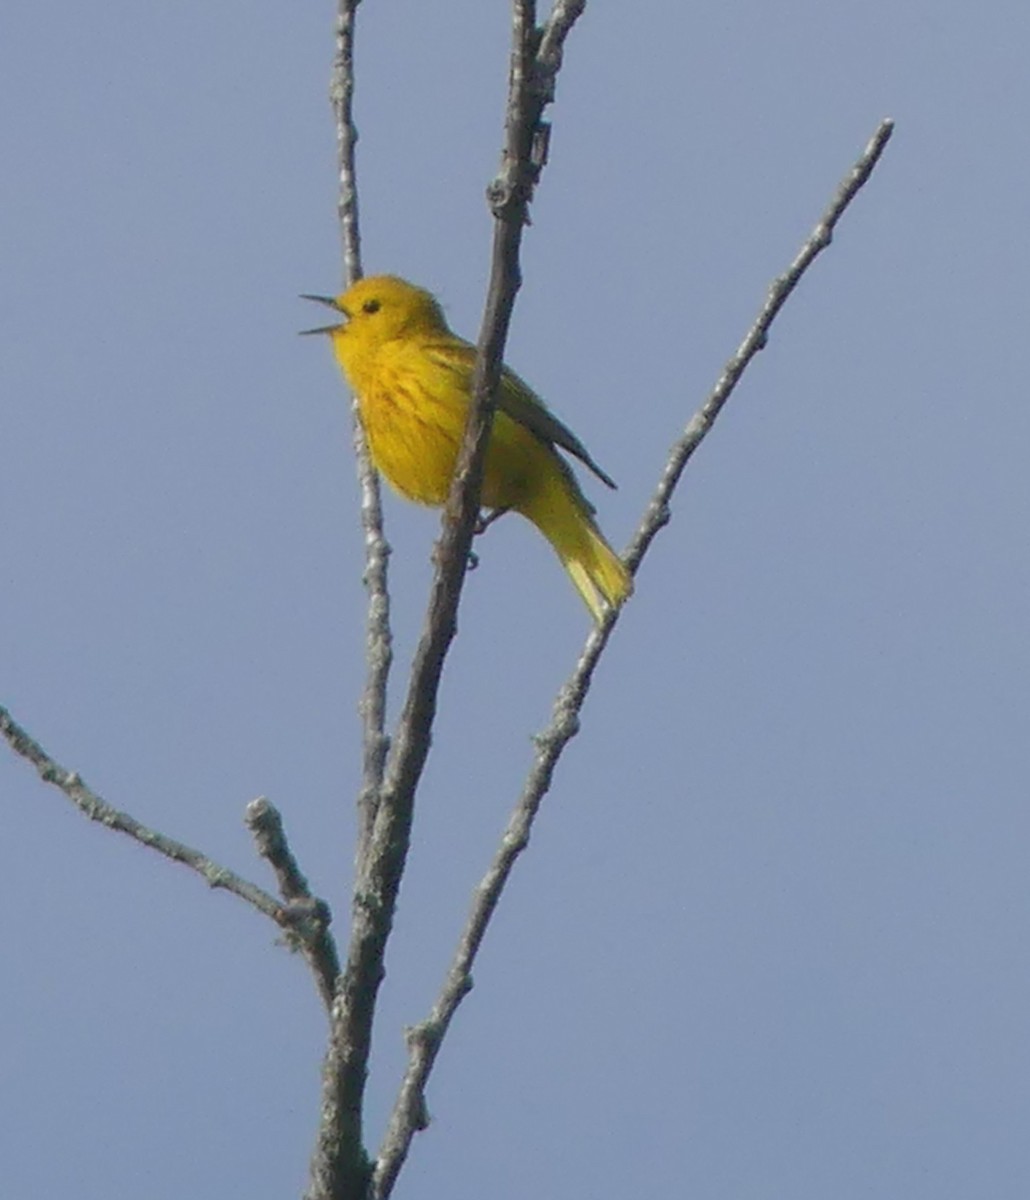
(304, 919)
(375, 741)
(309, 916)
(378, 636)
(409, 1114)
(657, 513)
(341, 97)
(337, 1162)
(97, 809)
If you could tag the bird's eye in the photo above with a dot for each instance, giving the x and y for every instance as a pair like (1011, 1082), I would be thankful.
(371, 306)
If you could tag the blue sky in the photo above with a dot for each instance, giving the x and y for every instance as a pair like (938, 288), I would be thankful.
(769, 938)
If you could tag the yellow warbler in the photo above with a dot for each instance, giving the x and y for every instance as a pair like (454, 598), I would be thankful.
(412, 377)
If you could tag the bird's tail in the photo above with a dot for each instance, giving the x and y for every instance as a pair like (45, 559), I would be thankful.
(564, 517)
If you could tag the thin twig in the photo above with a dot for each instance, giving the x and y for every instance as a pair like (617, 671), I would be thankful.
(341, 97)
(375, 742)
(97, 809)
(309, 915)
(378, 636)
(409, 1114)
(339, 1163)
(657, 513)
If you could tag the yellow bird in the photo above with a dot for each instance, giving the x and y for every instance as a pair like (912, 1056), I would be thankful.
(412, 377)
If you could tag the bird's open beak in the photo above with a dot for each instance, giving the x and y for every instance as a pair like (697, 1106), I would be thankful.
(329, 302)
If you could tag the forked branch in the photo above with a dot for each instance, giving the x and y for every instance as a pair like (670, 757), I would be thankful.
(304, 918)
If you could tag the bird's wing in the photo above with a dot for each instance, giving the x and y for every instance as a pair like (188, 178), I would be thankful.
(518, 400)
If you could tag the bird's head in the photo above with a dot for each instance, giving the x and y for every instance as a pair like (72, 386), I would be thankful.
(379, 309)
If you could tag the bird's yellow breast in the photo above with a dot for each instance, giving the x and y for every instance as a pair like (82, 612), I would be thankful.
(414, 410)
